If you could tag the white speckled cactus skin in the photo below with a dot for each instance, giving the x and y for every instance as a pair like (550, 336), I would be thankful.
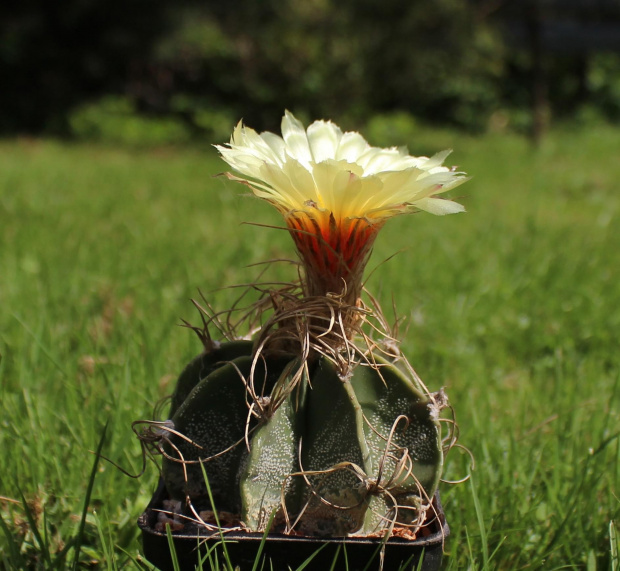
(338, 457)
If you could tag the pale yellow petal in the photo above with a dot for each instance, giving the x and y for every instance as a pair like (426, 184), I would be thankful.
(292, 185)
(352, 146)
(399, 186)
(365, 197)
(439, 206)
(376, 160)
(302, 182)
(296, 139)
(339, 189)
(437, 159)
(276, 144)
(324, 174)
(324, 139)
(243, 162)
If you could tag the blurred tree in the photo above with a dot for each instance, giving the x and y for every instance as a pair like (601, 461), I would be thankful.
(343, 59)
(559, 56)
(254, 58)
(208, 63)
(440, 61)
(55, 54)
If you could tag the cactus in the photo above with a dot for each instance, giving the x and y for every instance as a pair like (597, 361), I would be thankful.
(314, 425)
(348, 455)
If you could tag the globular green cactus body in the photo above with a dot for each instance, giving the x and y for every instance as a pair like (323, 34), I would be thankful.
(211, 424)
(339, 455)
(203, 365)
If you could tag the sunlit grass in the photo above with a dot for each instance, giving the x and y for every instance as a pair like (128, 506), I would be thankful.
(514, 307)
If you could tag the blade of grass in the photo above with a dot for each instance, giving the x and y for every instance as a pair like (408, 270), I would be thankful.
(420, 561)
(106, 544)
(577, 494)
(335, 559)
(89, 491)
(591, 561)
(346, 558)
(44, 529)
(207, 556)
(470, 549)
(408, 564)
(61, 555)
(481, 526)
(377, 551)
(43, 348)
(14, 550)
(35, 530)
(137, 564)
(499, 544)
(263, 540)
(173, 551)
(311, 557)
(614, 547)
(217, 519)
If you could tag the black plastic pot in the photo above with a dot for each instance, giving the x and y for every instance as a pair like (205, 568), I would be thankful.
(289, 552)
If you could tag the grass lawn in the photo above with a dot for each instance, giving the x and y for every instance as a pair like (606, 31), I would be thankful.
(513, 307)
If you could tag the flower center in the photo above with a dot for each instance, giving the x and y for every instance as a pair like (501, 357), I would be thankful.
(334, 252)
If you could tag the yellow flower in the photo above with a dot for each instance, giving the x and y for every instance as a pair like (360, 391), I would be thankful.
(335, 191)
